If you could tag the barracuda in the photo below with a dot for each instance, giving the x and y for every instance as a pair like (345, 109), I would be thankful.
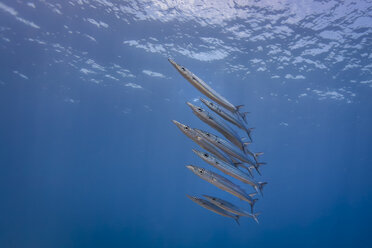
(228, 148)
(212, 207)
(227, 206)
(204, 88)
(230, 170)
(223, 183)
(202, 142)
(232, 118)
(225, 130)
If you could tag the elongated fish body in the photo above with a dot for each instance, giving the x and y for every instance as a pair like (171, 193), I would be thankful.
(225, 130)
(228, 148)
(232, 118)
(226, 168)
(212, 207)
(223, 165)
(223, 183)
(202, 142)
(225, 146)
(227, 206)
(203, 87)
(231, 170)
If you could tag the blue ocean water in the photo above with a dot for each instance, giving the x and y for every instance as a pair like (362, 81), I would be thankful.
(89, 156)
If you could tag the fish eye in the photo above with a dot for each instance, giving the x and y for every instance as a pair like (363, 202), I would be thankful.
(200, 109)
(183, 68)
(186, 128)
(205, 155)
(201, 171)
(208, 134)
(210, 118)
(194, 78)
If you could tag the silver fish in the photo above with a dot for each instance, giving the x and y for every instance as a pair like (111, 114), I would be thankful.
(202, 142)
(226, 168)
(212, 207)
(204, 88)
(230, 170)
(225, 205)
(228, 148)
(225, 130)
(232, 118)
(223, 183)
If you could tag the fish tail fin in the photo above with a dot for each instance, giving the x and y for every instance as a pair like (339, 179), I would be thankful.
(261, 185)
(244, 116)
(245, 145)
(257, 167)
(249, 131)
(238, 164)
(252, 194)
(252, 204)
(254, 216)
(237, 219)
(238, 107)
(241, 115)
(250, 168)
(257, 154)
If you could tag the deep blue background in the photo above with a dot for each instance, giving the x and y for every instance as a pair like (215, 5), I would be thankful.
(102, 165)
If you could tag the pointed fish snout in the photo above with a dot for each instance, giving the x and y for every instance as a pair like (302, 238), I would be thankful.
(190, 167)
(180, 125)
(176, 122)
(192, 106)
(172, 62)
(199, 153)
(193, 198)
(196, 151)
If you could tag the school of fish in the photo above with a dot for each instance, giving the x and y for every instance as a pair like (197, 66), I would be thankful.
(230, 155)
